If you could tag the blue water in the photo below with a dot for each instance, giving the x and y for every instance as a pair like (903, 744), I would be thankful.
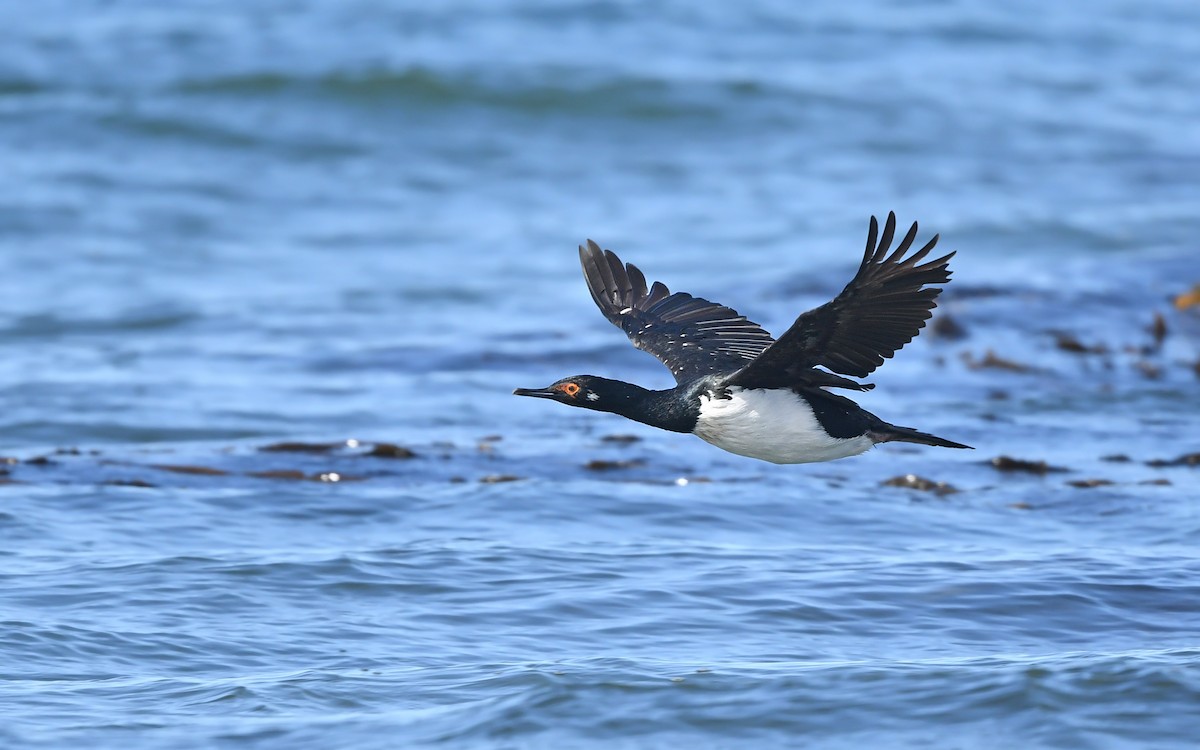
(229, 225)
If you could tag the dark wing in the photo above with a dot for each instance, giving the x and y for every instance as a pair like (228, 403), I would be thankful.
(691, 336)
(880, 310)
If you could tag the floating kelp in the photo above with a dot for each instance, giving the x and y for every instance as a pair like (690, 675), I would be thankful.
(1187, 459)
(187, 469)
(992, 361)
(914, 482)
(390, 450)
(129, 483)
(598, 464)
(1158, 329)
(1188, 299)
(947, 326)
(297, 447)
(499, 478)
(1068, 343)
(620, 439)
(1087, 483)
(1007, 463)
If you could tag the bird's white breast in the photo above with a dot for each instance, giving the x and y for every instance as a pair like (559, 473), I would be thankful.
(773, 425)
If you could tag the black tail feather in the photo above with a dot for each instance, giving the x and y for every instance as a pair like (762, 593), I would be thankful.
(888, 433)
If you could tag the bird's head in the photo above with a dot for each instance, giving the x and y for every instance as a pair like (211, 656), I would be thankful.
(587, 391)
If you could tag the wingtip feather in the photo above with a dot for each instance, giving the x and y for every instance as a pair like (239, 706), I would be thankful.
(885, 240)
(872, 236)
(905, 244)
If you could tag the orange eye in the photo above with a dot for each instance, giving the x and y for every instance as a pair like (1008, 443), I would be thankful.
(571, 389)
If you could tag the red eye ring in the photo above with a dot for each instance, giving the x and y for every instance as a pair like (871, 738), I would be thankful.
(571, 389)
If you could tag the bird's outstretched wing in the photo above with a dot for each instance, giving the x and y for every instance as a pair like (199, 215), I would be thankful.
(691, 336)
(880, 310)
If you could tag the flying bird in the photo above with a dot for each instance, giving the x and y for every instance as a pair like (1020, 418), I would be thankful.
(746, 392)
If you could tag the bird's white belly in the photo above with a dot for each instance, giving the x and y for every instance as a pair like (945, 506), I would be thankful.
(772, 425)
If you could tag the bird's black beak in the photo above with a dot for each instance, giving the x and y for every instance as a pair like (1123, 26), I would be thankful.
(537, 392)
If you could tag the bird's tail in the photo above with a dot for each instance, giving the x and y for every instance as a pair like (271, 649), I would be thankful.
(887, 433)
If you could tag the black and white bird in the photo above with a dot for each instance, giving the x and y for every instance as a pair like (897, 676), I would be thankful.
(746, 392)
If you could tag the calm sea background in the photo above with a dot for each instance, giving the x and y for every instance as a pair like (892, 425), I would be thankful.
(226, 225)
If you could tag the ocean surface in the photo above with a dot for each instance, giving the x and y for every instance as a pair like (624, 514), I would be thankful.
(269, 272)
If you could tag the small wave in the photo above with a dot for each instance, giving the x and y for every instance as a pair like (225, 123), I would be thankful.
(542, 91)
(223, 133)
(140, 320)
(1049, 699)
(18, 87)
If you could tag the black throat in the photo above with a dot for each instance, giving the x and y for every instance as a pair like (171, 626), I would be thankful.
(676, 409)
